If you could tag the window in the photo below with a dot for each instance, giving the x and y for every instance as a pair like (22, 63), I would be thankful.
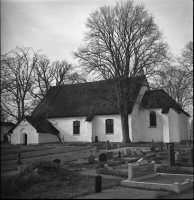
(152, 119)
(76, 127)
(109, 126)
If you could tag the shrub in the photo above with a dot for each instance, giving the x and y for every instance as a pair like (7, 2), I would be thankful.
(111, 164)
(172, 170)
(184, 164)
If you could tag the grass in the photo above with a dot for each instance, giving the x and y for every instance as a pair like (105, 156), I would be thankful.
(33, 154)
(51, 182)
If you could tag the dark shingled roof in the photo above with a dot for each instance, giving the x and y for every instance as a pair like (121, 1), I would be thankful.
(7, 124)
(43, 126)
(160, 99)
(84, 99)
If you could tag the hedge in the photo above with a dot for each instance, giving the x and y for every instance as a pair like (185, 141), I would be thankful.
(172, 170)
(111, 172)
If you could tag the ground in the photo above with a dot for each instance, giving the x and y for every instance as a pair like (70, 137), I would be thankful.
(68, 153)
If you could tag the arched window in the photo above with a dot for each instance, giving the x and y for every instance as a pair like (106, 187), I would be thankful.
(76, 127)
(109, 126)
(152, 119)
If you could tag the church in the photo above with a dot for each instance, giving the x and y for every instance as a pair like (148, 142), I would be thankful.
(81, 112)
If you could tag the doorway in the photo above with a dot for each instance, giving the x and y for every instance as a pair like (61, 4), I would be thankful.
(25, 138)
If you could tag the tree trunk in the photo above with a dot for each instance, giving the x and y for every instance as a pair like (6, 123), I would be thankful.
(125, 128)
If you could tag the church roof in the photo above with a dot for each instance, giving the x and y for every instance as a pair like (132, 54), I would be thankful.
(41, 126)
(160, 99)
(84, 99)
(7, 124)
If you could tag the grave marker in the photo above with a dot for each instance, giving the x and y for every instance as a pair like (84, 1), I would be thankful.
(96, 138)
(141, 169)
(177, 156)
(98, 184)
(91, 159)
(19, 160)
(191, 156)
(127, 152)
(171, 157)
(108, 147)
(102, 157)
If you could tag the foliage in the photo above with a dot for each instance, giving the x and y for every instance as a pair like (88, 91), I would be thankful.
(184, 164)
(172, 170)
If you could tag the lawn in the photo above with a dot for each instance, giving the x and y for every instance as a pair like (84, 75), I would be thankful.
(51, 182)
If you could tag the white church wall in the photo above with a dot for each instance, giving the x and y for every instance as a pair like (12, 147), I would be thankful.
(17, 137)
(65, 126)
(184, 127)
(147, 133)
(47, 138)
(135, 122)
(174, 126)
(99, 128)
(166, 133)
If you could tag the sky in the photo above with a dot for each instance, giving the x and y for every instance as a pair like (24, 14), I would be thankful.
(57, 26)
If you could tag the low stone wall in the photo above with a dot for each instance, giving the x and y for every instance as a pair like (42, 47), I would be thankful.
(175, 187)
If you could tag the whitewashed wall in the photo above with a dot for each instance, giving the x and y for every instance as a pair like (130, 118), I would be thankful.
(184, 127)
(135, 121)
(99, 128)
(22, 128)
(47, 138)
(147, 133)
(65, 126)
(174, 127)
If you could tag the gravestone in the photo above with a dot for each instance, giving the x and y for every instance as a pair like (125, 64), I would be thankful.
(177, 156)
(141, 169)
(108, 147)
(134, 152)
(109, 155)
(138, 151)
(171, 157)
(127, 152)
(19, 159)
(98, 184)
(102, 157)
(191, 156)
(119, 154)
(96, 138)
(152, 148)
(96, 149)
(91, 159)
(161, 149)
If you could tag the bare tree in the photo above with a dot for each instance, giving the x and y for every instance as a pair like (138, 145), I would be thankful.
(17, 80)
(122, 41)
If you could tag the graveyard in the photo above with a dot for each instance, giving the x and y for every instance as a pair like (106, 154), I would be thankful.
(152, 166)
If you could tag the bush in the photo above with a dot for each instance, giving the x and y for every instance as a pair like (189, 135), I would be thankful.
(111, 164)
(172, 170)
(111, 172)
(184, 164)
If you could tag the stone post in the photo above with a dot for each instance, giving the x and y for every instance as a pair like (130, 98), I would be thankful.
(98, 184)
(171, 157)
(130, 172)
(191, 156)
(19, 158)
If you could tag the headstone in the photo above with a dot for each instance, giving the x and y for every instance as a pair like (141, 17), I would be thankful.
(109, 155)
(134, 152)
(141, 169)
(91, 159)
(119, 154)
(19, 160)
(191, 156)
(96, 149)
(171, 157)
(127, 152)
(57, 161)
(177, 156)
(152, 148)
(162, 149)
(96, 138)
(108, 147)
(102, 157)
(138, 151)
(98, 184)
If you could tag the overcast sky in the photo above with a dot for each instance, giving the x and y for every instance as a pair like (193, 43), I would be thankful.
(57, 26)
